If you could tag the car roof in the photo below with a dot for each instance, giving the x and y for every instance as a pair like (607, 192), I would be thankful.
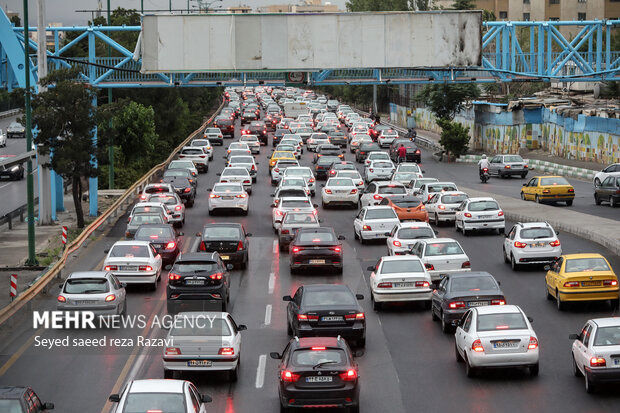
(607, 321)
(547, 176)
(494, 309)
(437, 240)
(471, 274)
(583, 255)
(534, 224)
(88, 274)
(399, 258)
(223, 224)
(326, 287)
(414, 224)
(482, 198)
(371, 207)
(132, 242)
(157, 386)
(388, 183)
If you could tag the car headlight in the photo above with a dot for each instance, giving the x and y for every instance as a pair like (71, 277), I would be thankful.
(15, 168)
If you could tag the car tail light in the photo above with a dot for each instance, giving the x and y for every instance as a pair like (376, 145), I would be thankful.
(571, 284)
(417, 151)
(456, 304)
(173, 277)
(498, 301)
(349, 375)
(173, 351)
(500, 214)
(533, 343)
(186, 190)
(214, 196)
(546, 191)
(610, 283)
(216, 276)
(240, 246)
(247, 181)
(253, 167)
(429, 266)
(366, 228)
(336, 249)
(276, 169)
(202, 156)
(61, 299)
(328, 191)
(378, 197)
(384, 285)
(145, 268)
(306, 317)
(466, 264)
(111, 268)
(353, 191)
(177, 208)
(143, 197)
(226, 351)
(372, 170)
(285, 231)
(571, 190)
(287, 376)
(311, 180)
(110, 297)
(519, 244)
(422, 284)
(477, 346)
(317, 348)
(171, 245)
(507, 167)
(598, 362)
(555, 243)
(397, 243)
(352, 317)
(295, 250)
(241, 196)
(467, 215)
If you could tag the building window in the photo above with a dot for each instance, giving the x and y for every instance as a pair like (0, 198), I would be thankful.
(526, 1)
(526, 17)
(554, 1)
(582, 1)
(503, 14)
(554, 19)
(581, 16)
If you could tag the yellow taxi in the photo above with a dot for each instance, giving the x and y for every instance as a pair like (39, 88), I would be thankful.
(548, 189)
(581, 277)
(279, 155)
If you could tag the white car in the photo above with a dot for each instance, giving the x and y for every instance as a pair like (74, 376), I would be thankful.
(441, 256)
(155, 189)
(237, 174)
(184, 164)
(379, 170)
(156, 395)
(294, 182)
(252, 142)
(531, 243)
(2, 139)
(290, 204)
(278, 170)
(375, 191)
(373, 222)
(405, 234)
(476, 214)
(357, 178)
(410, 167)
(228, 196)
(340, 191)
(145, 207)
(203, 342)
(602, 175)
(404, 177)
(386, 137)
(173, 204)
(197, 155)
(239, 146)
(205, 145)
(443, 205)
(214, 135)
(426, 190)
(245, 161)
(398, 279)
(315, 140)
(596, 352)
(305, 172)
(496, 336)
(134, 262)
(414, 186)
(291, 223)
(295, 137)
(376, 156)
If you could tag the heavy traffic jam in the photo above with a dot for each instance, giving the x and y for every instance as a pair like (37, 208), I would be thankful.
(320, 157)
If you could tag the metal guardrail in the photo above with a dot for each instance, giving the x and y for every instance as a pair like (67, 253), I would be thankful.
(9, 113)
(107, 217)
(17, 159)
(18, 212)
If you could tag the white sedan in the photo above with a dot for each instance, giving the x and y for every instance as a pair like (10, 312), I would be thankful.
(134, 262)
(205, 145)
(228, 196)
(288, 204)
(157, 395)
(476, 214)
(600, 176)
(405, 234)
(441, 256)
(443, 205)
(237, 174)
(294, 182)
(386, 137)
(252, 142)
(340, 191)
(302, 171)
(397, 279)
(596, 352)
(373, 222)
(496, 336)
(354, 175)
(377, 156)
(379, 170)
(531, 243)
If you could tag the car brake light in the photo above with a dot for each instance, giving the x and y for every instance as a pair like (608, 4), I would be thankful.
(570, 284)
(241, 196)
(519, 244)
(328, 191)
(467, 215)
(171, 245)
(173, 277)
(598, 362)
(253, 167)
(456, 304)
(372, 170)
(186, 190)
(349, 375)
(429, 266)
(226, 351)
(306, 317)
(284, 231)
(111, 267)
(214, 196)
(216, 276)
(384, 285)
(240, 246)
(477, 346)
(177, 208)
(336, 249)
(498, 301)
(397, 243)
(317, 348)
(533, 344)
(546, 191)
(466, 264)
(500, 214)
(247, 181)
(507, 167)
(311, 180)
(145, 268)
(378, 197)
(287, 376)
(295, 250)
(571, 190)
(610, 283)
(110, 297)
(366, 228)
(422, 284)
(353, 191)
(276, 169)
(143, 197)
(61, 299)
(555, 243)
(173, 351)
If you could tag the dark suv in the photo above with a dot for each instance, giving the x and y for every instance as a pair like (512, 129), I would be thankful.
(413, 152)
(228, 239)
(226, 125)
(198, 282)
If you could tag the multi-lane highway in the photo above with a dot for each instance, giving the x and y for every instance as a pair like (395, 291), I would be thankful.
(408, 365)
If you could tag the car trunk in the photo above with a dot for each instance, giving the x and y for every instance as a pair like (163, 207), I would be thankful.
(219, 246)
(321, 378)
(505, 341)
(335, 316)
(127, 265)
(385, 225)
(404, 281)
(446, 262)
(477, 298)
(200, 345)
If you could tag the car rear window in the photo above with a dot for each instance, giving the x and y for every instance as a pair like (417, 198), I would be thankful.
(513, 158)
(453, 199)
(176, 172)
(296, 203)
(557, 180)
(155, 189)
(86, 286)
(340, 182)
(607, 336)
(154, 402)
(419, 182)
(586, 264)
(129, 251)
(472, 284)
(195, 266)
(292, 218)
(221, 233)
(443, 248)
(349, 174)
(213, 130)
(168, 200)
(140, 219)
(181, 165)
(290, 181)
(400, 266)
(316, 237)
(227, 188)
(407, 203)
(309, 357)
(404, 176)
(298, 172)
(241, 159)
(235, 172)
(146, 209)
(534, 233)
(200, 142)
(327, 160)
(382, 213)
(415, 233)
(501, 321)
(155, 233)
(328, 298)
(291, 192)
(392, 189)
(483, 206)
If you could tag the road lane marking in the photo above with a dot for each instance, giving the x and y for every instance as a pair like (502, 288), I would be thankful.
(275, 246)
(19, 352)
(5, 185)
(194, 245)
(272, 282)
(268, 314)
(260, 371)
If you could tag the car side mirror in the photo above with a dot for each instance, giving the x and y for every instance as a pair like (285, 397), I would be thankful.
(198, 234)
(249, 234)
(209, 189)
(320, 220)
(370, 268)
(359, 296)
(219, 174)
(322, 185)
(257, 163)
(205, 398)
(123, 285)
(167, 267)
(573, 336)
(48, 406)
(106, 251)
(315, 205)
(547, 268)
(181, 234)
(287, 298)
(276, 356)
(530, 319)
(229, 267)
(499, 283)
(423, 171)
(272, 195)
(114, 398)
(436, 232)
(341, 238)
(242, 327)
(457, 323)
(358, 353)
(524, 185)
(273, 205)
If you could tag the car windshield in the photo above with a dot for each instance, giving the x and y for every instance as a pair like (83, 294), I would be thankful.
(140, 219)
(471, 283)
(292, 218)
(227, 188)
(453, 199)
(328, 298)
(534, 233)
(86, 286)
(155, 232)
(221, 232)
(129, 251)
(154, 402)
(501, 321)
(235, 172)
(607, 336)
(513, 158)
(586, 264)
(199, 325)
(310, 358)
(340, 182)
(415, 233)
(441, 187)
(554, 180)
(443, 248)
(316, 237)
(400, 266)
(380, 213)
(392, 189)
(483, 206)
(406, 203)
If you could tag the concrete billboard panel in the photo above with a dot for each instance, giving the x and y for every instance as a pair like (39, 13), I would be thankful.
(309, 42)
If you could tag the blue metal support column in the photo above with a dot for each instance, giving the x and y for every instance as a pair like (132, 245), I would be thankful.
(93, 183)
(60, 193)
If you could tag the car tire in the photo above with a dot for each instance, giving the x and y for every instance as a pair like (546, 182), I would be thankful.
(245, 212)
(569, 203)
(534, 368)
(284, 409)
(224, 306)
(469, 370)
(243, 265)
(445, 327)
(362, 240)
(537, 199)
(339, 270)
(506, 260)
(433, 315)
(323, 204)
(233, 375)
(437, 223)
(547, 293)
(590, 387)
(464, 231)
(375, 305)
(597, 182)
(513, 263)
(456, 226)
(576, 371)
(523, 175)
(457, 355)
(361, 343)
(354, 409)
(558, 301)
(597, 200)
(614, 304)
(612, 201)
(523, 197)
(190, 203)
(124, 312)
(153, 286)
(168, 374)
(211, 212)
(289, 329)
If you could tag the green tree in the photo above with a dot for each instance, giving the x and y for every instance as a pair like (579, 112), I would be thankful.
(464, 5)
(378, 5)
(446, 100)
(454, 137)
(66, 119)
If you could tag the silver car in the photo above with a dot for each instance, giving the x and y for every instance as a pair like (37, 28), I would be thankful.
(97, 291)
(16, 130)
(292, 222)
(237, 174)
(505, 166)
(228, 196)
(140, 219)
(245, 161)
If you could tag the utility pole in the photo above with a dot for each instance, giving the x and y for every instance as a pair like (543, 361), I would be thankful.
(32, 259)
(142, 6)
(111, 144)
(170, 5)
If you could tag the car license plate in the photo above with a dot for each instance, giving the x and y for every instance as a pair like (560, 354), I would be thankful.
(485, 216)
(129, 267)
(477, 303)
(225, 257)
(199, 363)
(505, 344)
(316, 262)
(590, 283)
(194, 282)
(86, 302)
(332, 318)
(403, 285)
(319, 379)
(227, 198)
(537, 244)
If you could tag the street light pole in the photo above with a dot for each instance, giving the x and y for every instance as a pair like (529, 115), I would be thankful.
(111, 144)
(32, 259)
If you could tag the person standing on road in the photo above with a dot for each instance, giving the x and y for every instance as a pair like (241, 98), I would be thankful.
(483, 163)
(402, 153)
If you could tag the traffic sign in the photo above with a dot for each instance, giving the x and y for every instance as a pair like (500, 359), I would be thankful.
(295, 77)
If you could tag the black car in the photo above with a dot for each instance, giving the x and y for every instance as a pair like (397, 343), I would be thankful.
(323, 165)
(163, 238)
(328, 150)
(316, 248)
(277, 136)
(338, 138)
(18, 399)
(228, 239)
(414, 154)
(226, 125)
(317, 372)
(364, 149)
(249, 115)
(259, 128)
(182, 186)
(608, 190)
(198, 281)
(184, 173)
(459, 292)
(13, 172)
(326, 310)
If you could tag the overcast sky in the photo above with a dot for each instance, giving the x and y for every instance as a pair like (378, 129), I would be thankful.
(64, 11)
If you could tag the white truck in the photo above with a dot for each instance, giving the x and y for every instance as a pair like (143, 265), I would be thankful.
(294, 109)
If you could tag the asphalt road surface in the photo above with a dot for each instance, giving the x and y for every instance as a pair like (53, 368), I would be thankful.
(409, 363)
